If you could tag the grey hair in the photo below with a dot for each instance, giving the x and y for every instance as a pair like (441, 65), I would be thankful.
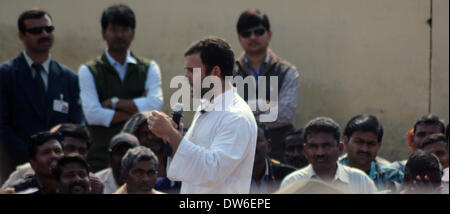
(139, 153)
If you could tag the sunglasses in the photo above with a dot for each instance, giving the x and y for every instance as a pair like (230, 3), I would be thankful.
(257, 32)
(38, 30)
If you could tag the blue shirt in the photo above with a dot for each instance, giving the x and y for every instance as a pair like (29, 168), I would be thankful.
(386, 178)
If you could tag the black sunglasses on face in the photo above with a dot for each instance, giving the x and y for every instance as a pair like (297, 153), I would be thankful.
(257, 32)
(38, 30)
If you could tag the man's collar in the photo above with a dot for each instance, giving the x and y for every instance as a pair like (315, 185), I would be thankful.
(373, 165)
(221, 102)
(45, 64)
(266, 58)
(129, 59)
(340, 175)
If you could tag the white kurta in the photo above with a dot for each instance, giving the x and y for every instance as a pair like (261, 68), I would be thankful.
(217, 153)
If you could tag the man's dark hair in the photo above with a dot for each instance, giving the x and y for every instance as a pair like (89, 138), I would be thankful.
(57, 170)
(118, 14)
(214, 51)
(300, 132)
(252, 18)
(430, 119)
(434, 138)
(322, 124)
(75, 131)
(30, 14)
(421, 161)
(365, 123)
(39, 139)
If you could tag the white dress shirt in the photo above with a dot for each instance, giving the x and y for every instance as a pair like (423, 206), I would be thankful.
(94, 112)
(346, 179)
(110, 185)
(217, 153)
(45, 65)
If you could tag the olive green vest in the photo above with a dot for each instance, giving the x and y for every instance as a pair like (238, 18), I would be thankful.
(108, 85)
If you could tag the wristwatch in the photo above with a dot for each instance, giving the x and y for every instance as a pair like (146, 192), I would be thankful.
(114, 102)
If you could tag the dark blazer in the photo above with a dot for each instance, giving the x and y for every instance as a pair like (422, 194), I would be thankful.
(20, 114)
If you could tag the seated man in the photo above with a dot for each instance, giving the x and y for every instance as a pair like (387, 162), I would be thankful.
(137, 125)
(72, 175)
(139, 171)
(422, 174)
(362, 139)
(424, 127)
(75, 140)
(322, 149)
(44, 149)
(267, 172)
(293, 149)
(118, 146)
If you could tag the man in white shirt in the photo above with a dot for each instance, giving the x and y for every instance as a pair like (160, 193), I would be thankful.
(217, 153)
(322, 149)
(116, 85)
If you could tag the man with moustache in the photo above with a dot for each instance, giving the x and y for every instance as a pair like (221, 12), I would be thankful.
(293, 151)
(44, 148)
(139, 171)
(362, 139)
(36, 92)
(258, 60)
(75, 140)
(72, 175)
(425, 126)
(322, 149)
(216, 155)
(117, 84)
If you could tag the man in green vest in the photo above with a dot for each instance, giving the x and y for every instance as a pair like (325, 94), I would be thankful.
(117, 84)
(258, 60)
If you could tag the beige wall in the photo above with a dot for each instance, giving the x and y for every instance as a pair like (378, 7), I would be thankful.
(354, 56)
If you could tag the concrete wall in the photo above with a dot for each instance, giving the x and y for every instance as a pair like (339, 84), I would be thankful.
(354, 56)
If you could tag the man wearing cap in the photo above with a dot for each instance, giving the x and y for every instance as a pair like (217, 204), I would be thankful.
(36, 91)
(118, 147)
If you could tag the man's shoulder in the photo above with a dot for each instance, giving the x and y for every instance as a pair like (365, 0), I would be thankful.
(356, 174)
(144, 60)
(390, 172)
(299, 174)
(28, 182)
(8, 65)
(104, 173)
(65, 69)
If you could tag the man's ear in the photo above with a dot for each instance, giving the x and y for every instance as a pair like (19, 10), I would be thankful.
(216, 71)
(345, 141)
(341, 147)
